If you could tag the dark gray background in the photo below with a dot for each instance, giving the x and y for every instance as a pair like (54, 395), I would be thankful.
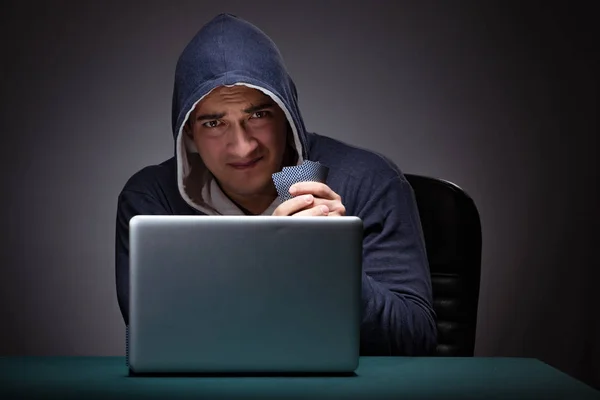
(500, 99)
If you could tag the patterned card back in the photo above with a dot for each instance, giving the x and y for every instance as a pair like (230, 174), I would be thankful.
(307, 171)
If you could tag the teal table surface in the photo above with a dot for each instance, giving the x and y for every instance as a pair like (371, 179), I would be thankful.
(375, 378)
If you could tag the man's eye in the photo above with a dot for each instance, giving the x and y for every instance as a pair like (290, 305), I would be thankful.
(259, 114)
(211, 124)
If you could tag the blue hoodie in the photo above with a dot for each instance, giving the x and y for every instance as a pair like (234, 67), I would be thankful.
(397, 313)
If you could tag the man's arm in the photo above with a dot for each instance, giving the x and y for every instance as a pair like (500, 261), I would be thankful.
(130, 204)
(398, 317)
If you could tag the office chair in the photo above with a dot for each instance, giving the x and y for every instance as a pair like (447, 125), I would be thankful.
(452, 231)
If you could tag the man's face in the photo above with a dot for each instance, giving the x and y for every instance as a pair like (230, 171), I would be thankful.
(240, 134)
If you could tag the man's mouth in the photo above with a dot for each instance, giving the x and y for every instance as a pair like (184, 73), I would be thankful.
(246, 164)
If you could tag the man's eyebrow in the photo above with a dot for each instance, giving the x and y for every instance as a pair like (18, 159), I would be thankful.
(249, 110)
(204, 117)
(262, 106)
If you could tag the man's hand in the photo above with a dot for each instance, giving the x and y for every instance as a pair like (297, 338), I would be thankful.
(311, 199)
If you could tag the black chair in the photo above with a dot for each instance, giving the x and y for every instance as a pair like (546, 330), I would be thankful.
(452, 231)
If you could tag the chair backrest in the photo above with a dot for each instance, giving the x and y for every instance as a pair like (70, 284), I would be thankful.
(452, 231)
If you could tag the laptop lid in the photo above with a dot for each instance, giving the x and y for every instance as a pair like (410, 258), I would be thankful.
(234, 294)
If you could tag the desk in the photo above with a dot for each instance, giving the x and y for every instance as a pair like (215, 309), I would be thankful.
(376, 377)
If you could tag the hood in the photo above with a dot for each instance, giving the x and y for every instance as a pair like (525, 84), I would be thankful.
(226, 51)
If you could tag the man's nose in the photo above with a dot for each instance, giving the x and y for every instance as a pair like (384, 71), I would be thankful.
(242, 144)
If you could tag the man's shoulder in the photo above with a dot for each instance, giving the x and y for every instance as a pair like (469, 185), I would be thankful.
(351, 160)
(151, 177)
(154, 189)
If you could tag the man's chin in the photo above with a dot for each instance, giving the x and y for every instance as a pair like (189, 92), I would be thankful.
(245, 189)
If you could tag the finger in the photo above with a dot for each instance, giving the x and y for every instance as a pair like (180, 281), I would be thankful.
(336, 214)
(340, 212)
(313, 212)
(318, 189)
(336, 208)
(294, 205)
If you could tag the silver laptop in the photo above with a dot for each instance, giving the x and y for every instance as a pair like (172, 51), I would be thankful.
(244, 294)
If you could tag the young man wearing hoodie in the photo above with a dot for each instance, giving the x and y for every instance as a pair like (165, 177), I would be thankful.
(236, 121)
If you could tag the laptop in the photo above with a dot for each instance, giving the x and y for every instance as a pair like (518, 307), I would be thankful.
(244, 294)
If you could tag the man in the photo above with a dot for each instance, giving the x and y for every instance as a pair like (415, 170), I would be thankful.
(235, 122)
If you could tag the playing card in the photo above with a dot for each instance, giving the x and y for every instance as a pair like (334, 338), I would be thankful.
(313, 171)
(283, 183)
(307, 171)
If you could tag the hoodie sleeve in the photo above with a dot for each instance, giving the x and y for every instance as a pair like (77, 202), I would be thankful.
(398, 317)
(130, 203)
